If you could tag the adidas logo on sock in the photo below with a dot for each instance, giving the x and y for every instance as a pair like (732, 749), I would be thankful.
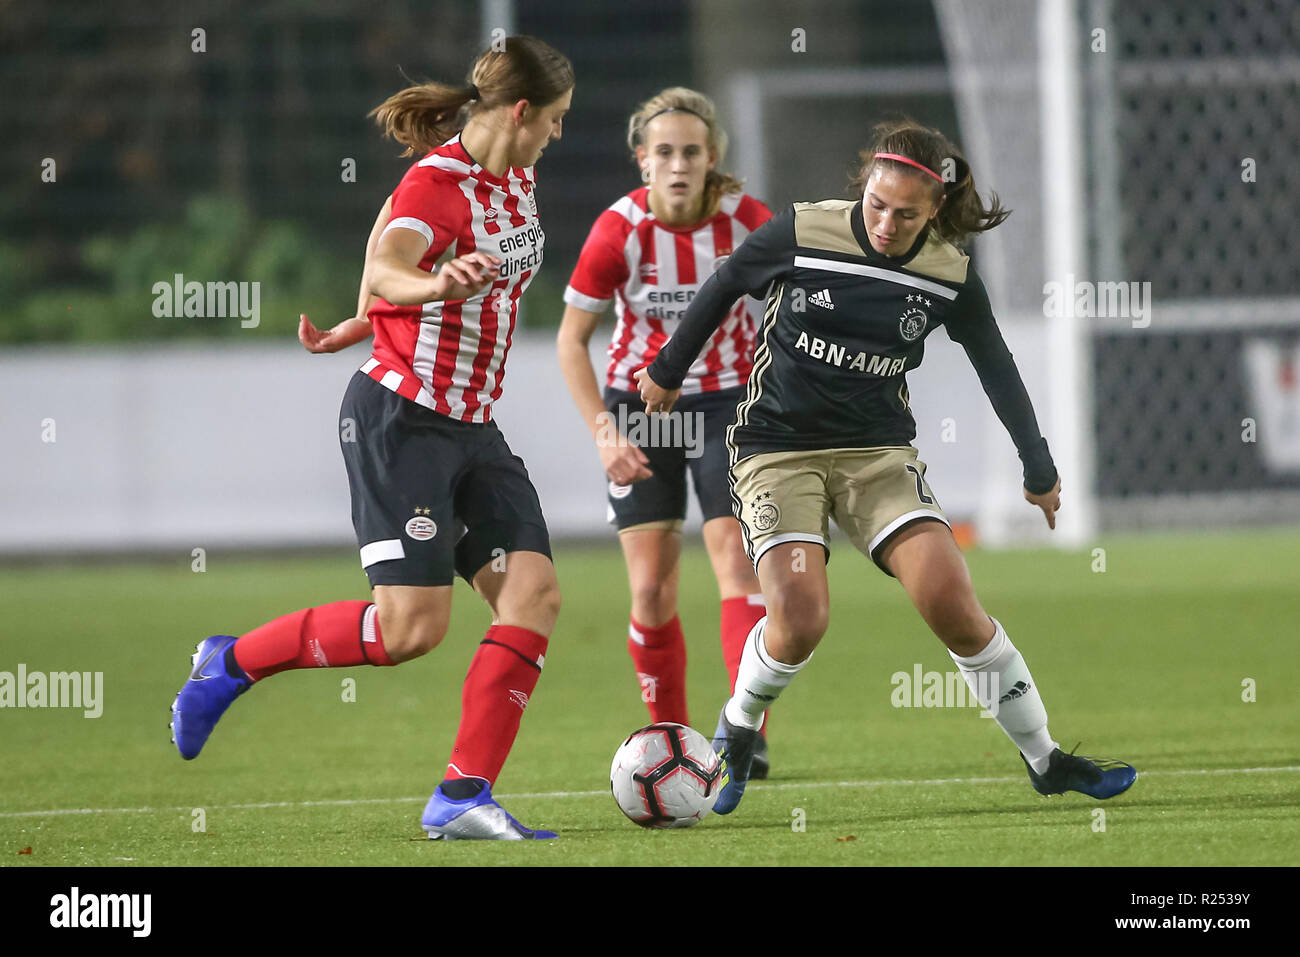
(822, 299)
(1018, 690)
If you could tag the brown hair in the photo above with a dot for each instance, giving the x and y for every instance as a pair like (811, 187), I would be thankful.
(716, 184)
(962, 212)
(425, 116)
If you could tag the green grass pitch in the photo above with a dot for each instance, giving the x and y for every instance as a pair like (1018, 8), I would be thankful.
(1147, 661)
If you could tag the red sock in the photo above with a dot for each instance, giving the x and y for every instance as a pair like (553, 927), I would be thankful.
(660, 658)
(501, 677)
(337, 635)
(739, 616)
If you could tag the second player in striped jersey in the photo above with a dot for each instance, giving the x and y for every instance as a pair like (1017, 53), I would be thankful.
(649, 253)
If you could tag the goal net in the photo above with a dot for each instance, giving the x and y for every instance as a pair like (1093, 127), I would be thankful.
(1185, 117)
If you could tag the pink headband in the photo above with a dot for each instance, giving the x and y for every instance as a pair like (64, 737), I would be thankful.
(909, 162)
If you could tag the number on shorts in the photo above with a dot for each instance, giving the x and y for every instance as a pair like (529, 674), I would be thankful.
(920, 489)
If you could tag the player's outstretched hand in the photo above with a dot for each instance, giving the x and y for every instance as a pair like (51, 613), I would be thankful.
(346, 333)
(624, 463)
(656, 399)
(1049, 502)
(465, 276)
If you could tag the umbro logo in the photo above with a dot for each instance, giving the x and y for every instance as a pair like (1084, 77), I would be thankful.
(1018, 690)
(822, 299)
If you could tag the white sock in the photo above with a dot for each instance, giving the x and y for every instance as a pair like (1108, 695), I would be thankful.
(1022, 716)
(759, 680)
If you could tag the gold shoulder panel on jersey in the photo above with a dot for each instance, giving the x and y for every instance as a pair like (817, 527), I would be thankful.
(939, 259)
(826, 225)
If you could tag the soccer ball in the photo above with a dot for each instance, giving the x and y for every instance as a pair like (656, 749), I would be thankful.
(666, 775)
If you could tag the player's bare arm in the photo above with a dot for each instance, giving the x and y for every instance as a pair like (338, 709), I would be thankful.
(346, 333)
(623, 463)
(397, 276)
(356, 328)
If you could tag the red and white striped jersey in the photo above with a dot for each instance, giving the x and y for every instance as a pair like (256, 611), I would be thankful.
(451, 356)
(652, 272)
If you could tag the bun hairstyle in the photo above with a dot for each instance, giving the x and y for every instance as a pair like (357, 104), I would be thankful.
(943, 168)
(425, 116)
(680, 99)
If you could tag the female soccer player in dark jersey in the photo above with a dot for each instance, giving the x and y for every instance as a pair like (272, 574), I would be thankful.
(649, 253)
(852, 290)
(435, 489)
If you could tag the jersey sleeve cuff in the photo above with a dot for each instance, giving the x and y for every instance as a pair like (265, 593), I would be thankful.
(661, 377)
(591, 304)
(410, 222)
(1040, 472)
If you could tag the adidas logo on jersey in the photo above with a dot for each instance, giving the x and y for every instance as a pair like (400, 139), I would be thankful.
(822, 299)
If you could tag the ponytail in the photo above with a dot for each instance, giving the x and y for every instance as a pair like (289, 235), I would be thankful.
(425, 116)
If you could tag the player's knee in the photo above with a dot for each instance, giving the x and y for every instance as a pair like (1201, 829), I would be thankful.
(411, 635)
(653, 602)
(803, 615)
(548, 603)
(738, 581)
(535, 606)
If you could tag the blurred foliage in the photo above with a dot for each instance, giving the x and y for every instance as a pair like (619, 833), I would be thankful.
(216, 241)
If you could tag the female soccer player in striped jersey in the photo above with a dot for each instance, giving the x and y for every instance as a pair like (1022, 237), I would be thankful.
(435, 489)
(825, 429)
(650, 252)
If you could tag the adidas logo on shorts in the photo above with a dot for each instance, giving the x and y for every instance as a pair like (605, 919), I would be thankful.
(822, 299)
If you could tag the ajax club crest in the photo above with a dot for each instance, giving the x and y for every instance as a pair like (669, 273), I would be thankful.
(911, 324)
(765, 513)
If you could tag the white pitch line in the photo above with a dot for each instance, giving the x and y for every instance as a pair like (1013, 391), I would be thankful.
(790, 786)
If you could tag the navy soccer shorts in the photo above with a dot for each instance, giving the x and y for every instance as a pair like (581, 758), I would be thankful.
(693, 438)
(432, 497)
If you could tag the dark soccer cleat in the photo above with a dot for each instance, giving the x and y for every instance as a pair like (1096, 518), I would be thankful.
(737, 747)
(479, 818)
(759, 768)
(1099, 778)
(205, 697)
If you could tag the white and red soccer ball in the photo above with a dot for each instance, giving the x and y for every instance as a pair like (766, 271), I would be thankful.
(666, 775)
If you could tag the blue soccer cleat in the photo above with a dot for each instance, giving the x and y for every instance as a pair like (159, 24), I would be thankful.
(737, 747)
(1099, 778)
(479, 818)
(762, 764)
(205, 697)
